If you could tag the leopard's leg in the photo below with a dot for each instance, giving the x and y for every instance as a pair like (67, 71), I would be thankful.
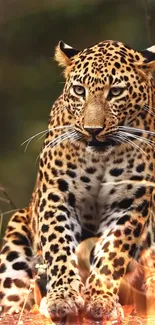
(111, 257)
(16, 264)
(141, 278)
(60, 232)
(145, 270)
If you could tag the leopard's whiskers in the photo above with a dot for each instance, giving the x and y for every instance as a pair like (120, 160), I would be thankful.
(128, 181)
(43, 133)
(10, 211)
(117, 138)
(133, 129)
(134, 145)
(75, 136)
(139, 138)
(55, 142)
(27, 142)
(59, 139)
(149, 109)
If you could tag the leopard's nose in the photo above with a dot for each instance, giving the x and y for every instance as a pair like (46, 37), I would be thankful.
(94, 131)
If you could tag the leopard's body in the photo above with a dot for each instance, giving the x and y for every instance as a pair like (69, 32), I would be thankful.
(97, 173)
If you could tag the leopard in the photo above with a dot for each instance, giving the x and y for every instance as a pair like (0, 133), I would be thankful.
(96, 179)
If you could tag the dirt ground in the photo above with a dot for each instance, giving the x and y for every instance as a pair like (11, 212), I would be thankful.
(128, 295)
(34, 318)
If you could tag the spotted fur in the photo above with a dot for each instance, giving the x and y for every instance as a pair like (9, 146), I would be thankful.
(96, 178)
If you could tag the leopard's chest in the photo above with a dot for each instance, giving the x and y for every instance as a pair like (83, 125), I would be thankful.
(97, 198)
(121, 176)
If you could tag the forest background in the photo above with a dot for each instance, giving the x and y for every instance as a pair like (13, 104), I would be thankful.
(30, 80)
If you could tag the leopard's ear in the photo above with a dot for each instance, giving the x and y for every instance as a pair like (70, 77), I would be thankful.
(64, 53)
(147, 66)
(149, 54)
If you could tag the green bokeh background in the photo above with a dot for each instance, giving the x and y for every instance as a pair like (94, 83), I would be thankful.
(30, 80)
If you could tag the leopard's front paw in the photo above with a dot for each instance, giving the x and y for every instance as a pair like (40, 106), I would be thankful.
(62, 303)
(104, 308)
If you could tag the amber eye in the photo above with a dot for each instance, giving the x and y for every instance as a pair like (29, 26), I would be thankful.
(116, 91)
(79, 90)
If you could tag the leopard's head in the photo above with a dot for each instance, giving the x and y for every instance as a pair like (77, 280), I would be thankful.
(107, 86)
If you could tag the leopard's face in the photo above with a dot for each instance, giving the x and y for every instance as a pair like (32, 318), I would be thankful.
(106, 86)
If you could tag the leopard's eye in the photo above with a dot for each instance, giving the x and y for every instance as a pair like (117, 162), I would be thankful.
(116, 91)
(79, 90)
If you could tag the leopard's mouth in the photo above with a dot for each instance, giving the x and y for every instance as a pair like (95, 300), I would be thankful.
(107, 141)
(102, 144)
(99, 142)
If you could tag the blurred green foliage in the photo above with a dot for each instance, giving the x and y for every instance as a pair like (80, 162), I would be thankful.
(30, 80)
